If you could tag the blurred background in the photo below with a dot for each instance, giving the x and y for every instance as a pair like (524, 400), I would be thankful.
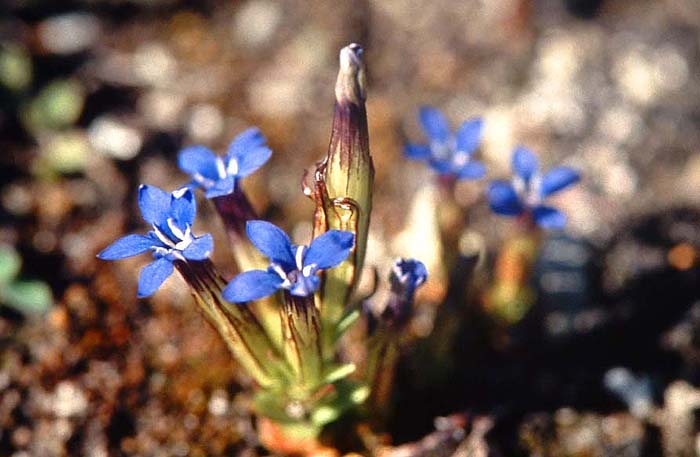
(97, 96)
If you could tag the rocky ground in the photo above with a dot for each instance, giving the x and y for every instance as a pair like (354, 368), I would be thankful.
(98, 96)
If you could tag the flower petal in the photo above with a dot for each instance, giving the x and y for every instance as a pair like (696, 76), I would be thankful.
(183, 207)
(469, 135)
(252, 285)
(252, 159)
(127, 246)
(200, 248)
(329, 249)
(305, 286)
(548, 217)
(251, 138)
(271, 241)
(524, 163)
(198, 160)
(153, 275)
(154, 204)
(434, 124)
(503, 199)
(221, 187)
(416, 151)
(472, 170)
(440, 167)
(558, 178)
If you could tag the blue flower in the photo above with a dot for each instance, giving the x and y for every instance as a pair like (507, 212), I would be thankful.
(218, 175)
(448, 153)
(407, 275)
(291, 267)
(526, 192)
(171, 217)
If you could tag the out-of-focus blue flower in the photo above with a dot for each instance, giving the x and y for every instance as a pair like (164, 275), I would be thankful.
(528, 189)
(291, 267)
(448, 153)
(218, 175)
(407, 275)
(171, 217)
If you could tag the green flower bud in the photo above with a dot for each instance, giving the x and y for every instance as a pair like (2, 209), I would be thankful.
(343, 185)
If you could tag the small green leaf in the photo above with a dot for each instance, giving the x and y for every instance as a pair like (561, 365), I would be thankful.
(67, 152)
(338, 372)
(325, 414)
(350, 317)
(29, 297)
(267, 403)
(359, 394)
(10, 264)
(15, 67)
(57, 106)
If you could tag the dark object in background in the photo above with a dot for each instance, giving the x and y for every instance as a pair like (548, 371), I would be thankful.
(584, 9)
(616, 302)
(565, 278)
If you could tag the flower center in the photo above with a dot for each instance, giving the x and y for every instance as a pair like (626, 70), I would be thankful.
(232, 168)
(203, 180)
(177, 239)
(298, 275)
(460, 159)
(529, 190)
(440, 150)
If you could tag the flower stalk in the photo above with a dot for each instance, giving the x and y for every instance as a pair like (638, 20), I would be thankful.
(302, 341)
(239, 328)
(523, 198)
(219, 177)
(386, 328)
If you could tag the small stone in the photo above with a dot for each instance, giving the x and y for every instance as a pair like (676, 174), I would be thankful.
(69, 33)
(256, 22)
(205, 123)
(113, 138)
(153, 64)
(218, 403)
(69, 400)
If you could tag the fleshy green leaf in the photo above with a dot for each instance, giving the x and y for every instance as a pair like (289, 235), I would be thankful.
(10, 264)
(359, 394)
(29, 297)
(350, 317)
(325, 414)
(338, 372)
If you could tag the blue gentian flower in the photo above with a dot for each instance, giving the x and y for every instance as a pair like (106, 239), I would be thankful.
(171, 217)
(448, 153)
(526, 192)
(291, 267)
(218, 175)
(407, 275)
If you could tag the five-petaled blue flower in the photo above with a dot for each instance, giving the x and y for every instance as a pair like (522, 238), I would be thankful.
(526, 193)
(171, 216)
(218, 175)
(448, 153)
(291, 267)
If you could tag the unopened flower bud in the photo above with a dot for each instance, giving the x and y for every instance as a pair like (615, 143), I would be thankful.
(343, 182)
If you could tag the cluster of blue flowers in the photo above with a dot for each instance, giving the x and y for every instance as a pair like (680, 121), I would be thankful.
(294, 268)
(171, 216)
(452, 154)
